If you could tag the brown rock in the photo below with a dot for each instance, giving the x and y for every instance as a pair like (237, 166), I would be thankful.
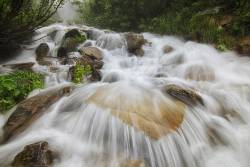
(42, 55)
(42, 50)
(135, 43)
(186, 96)
(167, 49)
(153, 114)
(95, 75)
(34, 155)
(132, 163)
(92, 52)
(20, 66)
(244, 46)
(200, 73)
(30, 110)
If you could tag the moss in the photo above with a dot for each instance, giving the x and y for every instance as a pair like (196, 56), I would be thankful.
(79, 72)
(16, 86)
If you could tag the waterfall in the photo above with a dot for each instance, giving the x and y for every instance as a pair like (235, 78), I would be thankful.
(126, 118)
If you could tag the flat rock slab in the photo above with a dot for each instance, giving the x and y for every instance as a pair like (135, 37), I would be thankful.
(30, 110)
(145, 110)
(20, 66)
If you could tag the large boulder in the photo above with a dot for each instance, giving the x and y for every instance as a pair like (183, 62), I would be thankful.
(187, 96)
(91, 52)
(244, 46)
(70, 41)
(34, 155)
(149, 112)
(30, 110)
(135, 43)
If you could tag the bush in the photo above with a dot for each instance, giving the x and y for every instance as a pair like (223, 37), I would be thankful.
(192, 19)
(79, 72)
(16, 86)
(19, 19)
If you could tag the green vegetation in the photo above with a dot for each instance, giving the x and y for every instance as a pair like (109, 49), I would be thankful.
(16, 86)
(219, 22)
(80, 39)
(79, 72)
(19, 19)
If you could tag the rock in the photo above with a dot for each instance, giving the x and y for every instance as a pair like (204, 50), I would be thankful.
(149, 112)
(95, 75)
(20, 66)
(92, 52)
(199, 73)
(84, 60)
(244, 46)
(135, 43)
(71, 40)
(42, 50)
(30, 110)
(34, 155)
(167, 49)
(186, 96)
(62, 52)
(42, 53)
(132, 163)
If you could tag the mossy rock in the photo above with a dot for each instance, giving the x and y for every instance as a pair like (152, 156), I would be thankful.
(71, 40)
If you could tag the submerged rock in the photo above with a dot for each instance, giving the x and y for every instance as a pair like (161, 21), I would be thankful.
(186, 96)
(150, 112)
(135, 43)
(132, 163)
(30, 110)
(199, 73)
(20, 66)
(167, 49)
(34, 155)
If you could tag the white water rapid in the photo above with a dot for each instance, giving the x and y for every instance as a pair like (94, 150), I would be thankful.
(91, 127)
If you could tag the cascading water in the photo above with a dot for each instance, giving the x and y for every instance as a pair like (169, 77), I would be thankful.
(127, 120)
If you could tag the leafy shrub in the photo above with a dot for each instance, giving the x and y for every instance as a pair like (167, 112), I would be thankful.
(206, 28)
(16, 86)
(80, 71)
(192, 19)
(19, 19)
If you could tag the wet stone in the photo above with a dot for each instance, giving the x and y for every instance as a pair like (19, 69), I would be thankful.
(34, 155)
